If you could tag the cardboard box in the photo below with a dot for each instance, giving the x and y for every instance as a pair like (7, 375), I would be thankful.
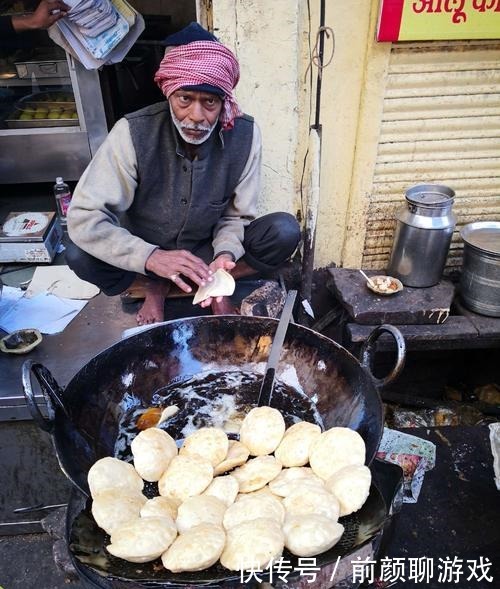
(30, 237)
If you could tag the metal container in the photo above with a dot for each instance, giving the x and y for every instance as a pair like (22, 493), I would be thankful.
(423, 235)
(62, 102)
(480, 281)
(87, 421)
(42, 69)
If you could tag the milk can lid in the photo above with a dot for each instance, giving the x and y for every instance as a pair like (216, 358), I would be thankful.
(483, 235)
(430, 195)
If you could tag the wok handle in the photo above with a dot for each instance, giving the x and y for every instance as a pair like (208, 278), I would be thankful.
(368, 352)
(51, 391)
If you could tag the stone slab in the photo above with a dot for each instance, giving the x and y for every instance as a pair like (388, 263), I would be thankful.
(488, 327)
(410, 306)
(457, 333)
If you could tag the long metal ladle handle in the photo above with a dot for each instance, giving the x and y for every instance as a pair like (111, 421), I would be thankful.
(266, 388)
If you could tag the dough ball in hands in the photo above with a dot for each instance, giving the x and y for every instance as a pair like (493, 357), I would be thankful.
(202, 509)
(210, 443)
(256, 473)
(111, 473)
(153, 450)
(113, 508)
(253, 507)
(294, 447)
(237, 455)
(185, 477)
(262, 430)
(142, 539)
(308, 499)
(224, 488)
(252, 545)
(334, 449)
(196, 549)
(351, 486)
(309, 535)
(160, 507)
(289, 478)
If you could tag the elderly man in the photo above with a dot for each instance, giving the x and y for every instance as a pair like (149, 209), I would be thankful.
(171, 195)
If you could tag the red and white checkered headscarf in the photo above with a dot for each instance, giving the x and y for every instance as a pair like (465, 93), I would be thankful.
(202, 62)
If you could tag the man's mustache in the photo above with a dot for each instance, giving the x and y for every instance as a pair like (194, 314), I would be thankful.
(189, 127)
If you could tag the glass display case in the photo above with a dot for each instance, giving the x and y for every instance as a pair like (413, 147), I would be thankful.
(52, 117)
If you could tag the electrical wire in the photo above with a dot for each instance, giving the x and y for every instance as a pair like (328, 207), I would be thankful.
(315, 58)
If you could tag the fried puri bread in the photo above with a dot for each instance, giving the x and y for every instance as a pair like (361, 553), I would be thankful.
(334, 449)
(293, 449)
(153, 450)
(309, 535)
(111, 473)
(159, 506)
(196, 549)
(351, 486)
(114, 507)
(262, 430)
(252, 545)
(142, 539)
(201, 509)
(288, 478)
(253, 507)
(237, 455)
(307, 499)
(185, 477)
(210, 443)
(224, 488)
(256, 473)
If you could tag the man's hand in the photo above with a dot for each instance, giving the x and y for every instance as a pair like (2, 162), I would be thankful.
(45, 15)
(224, 261)
(170, 264)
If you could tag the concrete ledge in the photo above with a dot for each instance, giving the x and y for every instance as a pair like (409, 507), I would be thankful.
(457, 333)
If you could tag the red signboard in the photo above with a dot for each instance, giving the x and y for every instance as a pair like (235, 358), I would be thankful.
(421, 20)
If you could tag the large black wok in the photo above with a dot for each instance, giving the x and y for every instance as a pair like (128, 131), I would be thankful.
(86, 418)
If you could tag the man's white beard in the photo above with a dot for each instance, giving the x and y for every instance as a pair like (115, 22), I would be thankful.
(181, 126)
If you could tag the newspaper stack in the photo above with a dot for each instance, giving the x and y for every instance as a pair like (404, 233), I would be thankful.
(93, 17)
(98, 32)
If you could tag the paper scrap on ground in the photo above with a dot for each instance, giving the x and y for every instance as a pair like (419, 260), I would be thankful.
(10, 295)
(62, 282)
(45, 312)
(495, 450)
(414, 455)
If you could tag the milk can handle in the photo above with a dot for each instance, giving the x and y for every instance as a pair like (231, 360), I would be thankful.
(368, 352)
(51, 391)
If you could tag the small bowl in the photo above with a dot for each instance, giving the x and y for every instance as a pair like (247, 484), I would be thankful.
(21, 341)
(394, 286)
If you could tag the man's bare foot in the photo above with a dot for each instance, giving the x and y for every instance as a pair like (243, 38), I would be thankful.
(152, 310)
(225, 307)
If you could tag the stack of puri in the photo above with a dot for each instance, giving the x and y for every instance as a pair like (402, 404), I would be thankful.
(238, 502)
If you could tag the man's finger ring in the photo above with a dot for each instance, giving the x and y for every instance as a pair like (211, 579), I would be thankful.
(173, 277)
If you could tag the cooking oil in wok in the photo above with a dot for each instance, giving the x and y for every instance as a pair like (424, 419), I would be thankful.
(214, 399)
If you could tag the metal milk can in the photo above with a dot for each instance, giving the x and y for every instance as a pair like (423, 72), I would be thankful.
(480, 280)
(423, 235)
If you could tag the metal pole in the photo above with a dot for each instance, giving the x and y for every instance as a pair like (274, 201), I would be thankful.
(320, 59)
(311, 215)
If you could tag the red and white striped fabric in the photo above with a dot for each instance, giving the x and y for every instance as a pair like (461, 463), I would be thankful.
(202, 62)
